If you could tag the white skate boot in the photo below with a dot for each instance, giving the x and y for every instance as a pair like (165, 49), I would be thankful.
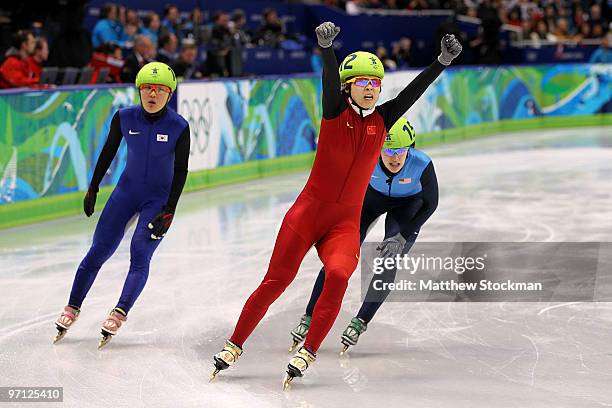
(63, 323)
(226, 357)
(111, 325)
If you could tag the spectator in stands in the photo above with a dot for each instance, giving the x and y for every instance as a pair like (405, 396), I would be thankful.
(39, 57)
(418, 5)
(171, 19)
(578, 15)
(194, 27)
(142, 53)
(107, 29)
(168, 44)
(541, 33)
(15, 70)
(240, 40)
(562, 33)
(131, 17)
(487, 45)
(401, 52)
(583, 33)
(271, 32)
(550, 17)
(603, 54)
(107, 56)
(239, 29)
(71, 45)
(514, 18)
(121, 15)
(527, 29)
(220, 46)
(596, 19)
(186, 66)
(354, 7)
(471, 12)
(316, 60)
(597, 31)
(383, 56)
(151, 25)
(528, 8)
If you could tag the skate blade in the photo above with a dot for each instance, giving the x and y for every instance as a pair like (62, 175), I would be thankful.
(344, 349)
(287, 382)
(294, 346)
(214, 375)
(104, 340)
(60, 335)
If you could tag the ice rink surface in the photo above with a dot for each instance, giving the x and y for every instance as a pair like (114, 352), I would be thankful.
(544, 186)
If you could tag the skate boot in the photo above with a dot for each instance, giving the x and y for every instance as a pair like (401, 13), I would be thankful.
(111, 325)
(300, 332)
(351, 334)
(226, 357)
(66, 319)
(298, 365)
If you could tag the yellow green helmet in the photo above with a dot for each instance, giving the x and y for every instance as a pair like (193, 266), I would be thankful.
(400, 135)
(361, 63)
(156, 73)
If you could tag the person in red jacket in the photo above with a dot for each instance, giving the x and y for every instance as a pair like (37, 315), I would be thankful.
(15, 70)
(38, 58)
(327, 212)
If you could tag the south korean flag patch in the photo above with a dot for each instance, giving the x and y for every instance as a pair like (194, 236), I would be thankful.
(162, 138)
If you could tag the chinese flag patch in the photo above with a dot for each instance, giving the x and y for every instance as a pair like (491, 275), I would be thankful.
(371, 130)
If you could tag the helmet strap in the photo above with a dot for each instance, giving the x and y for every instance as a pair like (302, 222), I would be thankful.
(363, 112)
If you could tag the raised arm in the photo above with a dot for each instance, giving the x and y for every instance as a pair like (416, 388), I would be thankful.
(333, 103)
(393, 109)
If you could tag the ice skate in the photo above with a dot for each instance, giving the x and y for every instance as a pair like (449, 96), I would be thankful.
(226, 358)
(111, 325)
(63, 323)
(298, 365)
(300, 332)
(351, 334)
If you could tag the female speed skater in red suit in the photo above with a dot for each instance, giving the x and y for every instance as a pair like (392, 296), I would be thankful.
(327, 212)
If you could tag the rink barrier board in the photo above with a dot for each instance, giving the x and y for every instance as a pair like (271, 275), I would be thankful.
(70, 204)
(48, 208)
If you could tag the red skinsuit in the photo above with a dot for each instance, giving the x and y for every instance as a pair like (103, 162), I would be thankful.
(326, 214)
(328, 211)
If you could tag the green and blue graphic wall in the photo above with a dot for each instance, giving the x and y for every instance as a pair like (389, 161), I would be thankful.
(245, 129)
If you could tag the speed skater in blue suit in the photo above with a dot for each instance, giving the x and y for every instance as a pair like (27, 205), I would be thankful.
(157, 140)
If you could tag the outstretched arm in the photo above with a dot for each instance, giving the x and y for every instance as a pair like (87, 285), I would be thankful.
(333, 103)
(393, 109)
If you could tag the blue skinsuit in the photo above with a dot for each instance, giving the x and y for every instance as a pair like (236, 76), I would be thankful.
(144, 189)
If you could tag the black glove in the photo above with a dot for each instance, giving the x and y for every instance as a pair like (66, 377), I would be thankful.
(160, 224)
(89, 202)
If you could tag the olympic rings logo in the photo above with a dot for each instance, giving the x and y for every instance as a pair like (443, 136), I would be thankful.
(199, 115)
